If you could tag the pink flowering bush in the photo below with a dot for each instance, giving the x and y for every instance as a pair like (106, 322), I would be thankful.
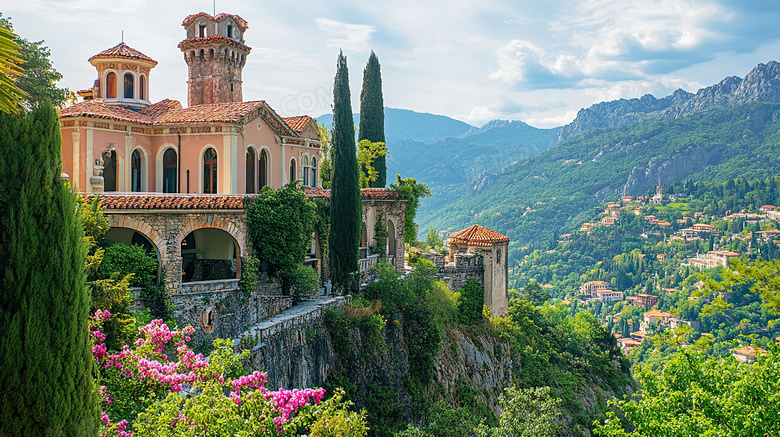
(142, 390)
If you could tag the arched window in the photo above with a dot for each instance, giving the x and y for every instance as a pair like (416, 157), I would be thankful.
(169, 171)
(250, 170)
(111, 85)
(305, 170)
(128, 86)
(263, 169)
(292, 170)
(109, 170)
(141, 86)
(314, 172)
(135, 171)
(210, 171)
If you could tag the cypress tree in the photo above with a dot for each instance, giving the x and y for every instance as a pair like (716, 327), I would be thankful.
(46, 364)
(346, 208)
(372, 114)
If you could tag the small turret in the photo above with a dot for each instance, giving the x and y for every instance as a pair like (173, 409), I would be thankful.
(123, 76)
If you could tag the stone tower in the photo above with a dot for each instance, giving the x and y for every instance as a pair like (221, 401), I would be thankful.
(215, 54)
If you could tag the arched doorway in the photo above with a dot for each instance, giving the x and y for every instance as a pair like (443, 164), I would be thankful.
(109, 170)
(210, 171)
(250, 171)
(209, 254)
(391, 242)
(169, 171)
(293, 173)
(263, 168)
(135, 171)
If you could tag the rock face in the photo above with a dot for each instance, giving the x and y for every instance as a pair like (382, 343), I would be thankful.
(478, 360)
(762, 84)
(661, 172)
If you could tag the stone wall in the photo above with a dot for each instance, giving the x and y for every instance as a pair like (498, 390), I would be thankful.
(467, 266)
(293, 348)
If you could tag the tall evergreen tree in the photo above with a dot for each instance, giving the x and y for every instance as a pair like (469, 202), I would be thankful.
(345, 210)
(46, 364)
(372, 114)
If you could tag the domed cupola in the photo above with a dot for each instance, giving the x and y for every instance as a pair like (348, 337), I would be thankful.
(123, 76)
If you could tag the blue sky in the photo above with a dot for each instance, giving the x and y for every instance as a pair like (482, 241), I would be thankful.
(536, 61)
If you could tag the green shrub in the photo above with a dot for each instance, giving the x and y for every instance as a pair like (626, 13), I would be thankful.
(126, 259)
(302, 281)
(472, 299)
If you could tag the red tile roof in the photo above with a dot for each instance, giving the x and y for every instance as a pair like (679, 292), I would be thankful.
(96, 110)
(476, 235)
(215, 38)
(213, 201)
(167, 112)
(171, 201)
(241, 22)
(365, 193)
(235, 112)
(123, 50)
(299, 122)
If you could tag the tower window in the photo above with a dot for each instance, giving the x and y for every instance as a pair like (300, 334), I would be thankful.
(230, 31)
(111, 85)
(202, 31)
(128, 86)
(141, 86)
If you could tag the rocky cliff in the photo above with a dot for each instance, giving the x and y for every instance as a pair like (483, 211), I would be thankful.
(762, 84)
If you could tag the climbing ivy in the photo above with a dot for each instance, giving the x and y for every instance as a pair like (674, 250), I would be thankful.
(412, 191)
(280, 224)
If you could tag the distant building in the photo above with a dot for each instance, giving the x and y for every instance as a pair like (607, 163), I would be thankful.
(767, 208)
(494, 250)
(643, 300)
(748, 354)
(609, 295)
(590, 288)
(712, 259)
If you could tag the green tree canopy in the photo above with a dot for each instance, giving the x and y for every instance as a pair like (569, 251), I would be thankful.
(372, 117)
(346, 208)
(46, 385)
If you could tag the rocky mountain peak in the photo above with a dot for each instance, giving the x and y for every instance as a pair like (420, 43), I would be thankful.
(762, 84)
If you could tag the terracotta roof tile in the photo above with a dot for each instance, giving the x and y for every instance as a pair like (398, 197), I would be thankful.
(123, 50)
(213, 201)
(96, 110)
(298, 123)
(476, 235)
(365, 193)
(166, 112)
(234, 112)
(215, 38)
(657, 314)
(241, 22)
(161, 107)
(750, 351)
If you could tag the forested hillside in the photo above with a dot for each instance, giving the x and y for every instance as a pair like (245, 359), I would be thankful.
(551, 193)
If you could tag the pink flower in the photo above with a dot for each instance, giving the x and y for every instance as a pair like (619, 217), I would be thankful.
(104, 417)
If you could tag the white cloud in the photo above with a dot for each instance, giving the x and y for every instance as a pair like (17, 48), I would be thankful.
(607, 39)
(354, 38)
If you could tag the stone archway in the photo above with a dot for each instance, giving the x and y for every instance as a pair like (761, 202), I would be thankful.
(209, 254)
(143, 228)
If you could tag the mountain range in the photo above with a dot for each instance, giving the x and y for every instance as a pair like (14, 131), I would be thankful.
(533, 184)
